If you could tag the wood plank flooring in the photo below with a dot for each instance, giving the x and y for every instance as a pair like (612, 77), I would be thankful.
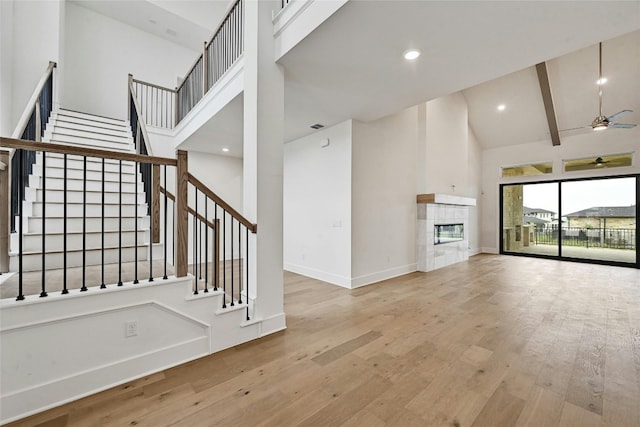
(495, 341)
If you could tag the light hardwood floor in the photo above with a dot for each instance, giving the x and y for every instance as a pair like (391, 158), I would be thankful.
(495, 341)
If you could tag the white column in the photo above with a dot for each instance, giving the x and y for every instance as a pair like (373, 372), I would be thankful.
(263, 162)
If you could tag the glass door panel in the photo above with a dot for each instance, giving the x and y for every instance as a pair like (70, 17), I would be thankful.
(599, 219)
(530, 219)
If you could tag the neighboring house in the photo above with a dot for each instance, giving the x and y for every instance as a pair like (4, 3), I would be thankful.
(539, 213)
(606, 217)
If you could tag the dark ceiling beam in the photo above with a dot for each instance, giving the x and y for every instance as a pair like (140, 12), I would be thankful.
(545, 88)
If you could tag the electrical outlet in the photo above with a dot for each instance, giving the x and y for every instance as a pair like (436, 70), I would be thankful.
(131, 328)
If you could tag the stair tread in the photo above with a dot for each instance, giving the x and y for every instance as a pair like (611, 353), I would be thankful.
(141, 245)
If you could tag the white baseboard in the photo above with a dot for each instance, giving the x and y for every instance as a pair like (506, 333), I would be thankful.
(495, 251)
(334, 279)
(378, 276)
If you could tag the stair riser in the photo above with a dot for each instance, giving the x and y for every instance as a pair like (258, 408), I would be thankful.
(75, 210)
(55, 242)
(74, 259)
(57, 196)
(90, 117)
(90, 134)
(93, 164)
(75, 185)
(74, 225)
(64, 123)
(75, 174)
(88, 143)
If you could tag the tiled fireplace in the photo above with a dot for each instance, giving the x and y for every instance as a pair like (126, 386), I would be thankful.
(442, 230)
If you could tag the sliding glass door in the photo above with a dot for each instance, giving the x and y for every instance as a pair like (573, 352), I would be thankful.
(587, 219)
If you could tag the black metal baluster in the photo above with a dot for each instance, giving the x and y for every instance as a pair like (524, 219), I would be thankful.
(64, 229)
(232, 266)
(150, 209)
(224, 258)
(120, 222)
(165, 223)
(43, 293)
(84, 225)
(195, 242)
(216, 253)
(239, 262)
(102, 284)
(21, 156)
(206, 244)
(135, 228)
(246, 263)
(200, 251)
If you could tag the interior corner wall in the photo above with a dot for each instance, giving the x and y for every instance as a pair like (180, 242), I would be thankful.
(474, 168)
(383, 200)
(589, 144)
(100, 52)
(34, 34)
(317, 205)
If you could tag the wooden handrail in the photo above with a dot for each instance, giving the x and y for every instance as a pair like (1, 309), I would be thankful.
(89, 152)
(153, 85)
(26, 114)
(141, 125)
(213, 196)
(170, 196)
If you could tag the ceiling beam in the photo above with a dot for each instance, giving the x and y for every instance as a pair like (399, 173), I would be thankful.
(545, 88)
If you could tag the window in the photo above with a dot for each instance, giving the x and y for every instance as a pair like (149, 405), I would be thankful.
(528, 170)
(603, 162)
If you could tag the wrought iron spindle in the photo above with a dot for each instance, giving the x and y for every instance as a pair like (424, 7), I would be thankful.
(102, 284)
(43, 293)
(195, 242)
(64, 228)
(84, 225)
(20, 153)
(224, 259)
(232, 270)
(165, 223)
(239, 262)
(120, 222)
(150, 210)
(216, 249)
(206, 244)
(135, 227)
(246, 264)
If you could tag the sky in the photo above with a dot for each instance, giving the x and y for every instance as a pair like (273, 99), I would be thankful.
(578, 195)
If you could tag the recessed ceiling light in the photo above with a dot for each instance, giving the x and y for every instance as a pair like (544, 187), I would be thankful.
(601, 81)
(502, 107)
(412, 54)
(225, 149)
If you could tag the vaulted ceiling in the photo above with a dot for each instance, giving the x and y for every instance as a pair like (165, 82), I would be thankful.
(352, 65)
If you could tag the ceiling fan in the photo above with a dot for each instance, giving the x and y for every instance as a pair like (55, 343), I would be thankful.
(599, 162)
(602, 122)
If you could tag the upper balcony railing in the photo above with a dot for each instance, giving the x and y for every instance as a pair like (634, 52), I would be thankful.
(164, 107)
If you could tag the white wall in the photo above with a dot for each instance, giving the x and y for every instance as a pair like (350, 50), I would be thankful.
(317, 205)
(384, 197)
(474, 176)
(448, 146)
(100, 52)
(6, 68)
(590, 144)
(34, 34)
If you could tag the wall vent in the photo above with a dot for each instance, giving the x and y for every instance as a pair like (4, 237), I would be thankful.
(316, 126)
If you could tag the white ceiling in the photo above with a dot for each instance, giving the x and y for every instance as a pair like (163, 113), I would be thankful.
(352, 66)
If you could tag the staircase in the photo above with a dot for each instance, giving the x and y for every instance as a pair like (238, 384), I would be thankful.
(87, 131)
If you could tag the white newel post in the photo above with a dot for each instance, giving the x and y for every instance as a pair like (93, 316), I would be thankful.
(263, 162)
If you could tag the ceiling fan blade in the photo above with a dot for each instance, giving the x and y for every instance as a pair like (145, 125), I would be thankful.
(622, 125)
(613, 117)
(570, 129)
